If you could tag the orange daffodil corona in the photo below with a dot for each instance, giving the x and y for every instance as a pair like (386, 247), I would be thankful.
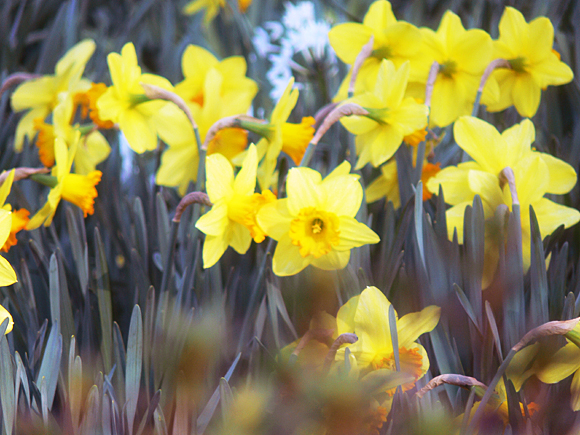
(75, 188)
(315, 224)
(536, 174)
(534, 64)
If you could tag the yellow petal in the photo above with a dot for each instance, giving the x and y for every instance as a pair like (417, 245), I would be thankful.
(4, 314)
(575, 392)
(302, 187)
(215, 221)
(334, 260)
(239, 238)
(7, 273)
(413, 325)
(275, 219)
(345, 316)
(74, 61)
(196, 61)
(379, 16)
(220, 177)
(139, 133)
(564, 362)
(39, 92)
(213, 248)
(349, 200)
(562, 175)
(5, 188)
(481, 141)
(245, 181)
(551, 215)
(287, 260)
(526, 95)
(348, 39)
(354, 234)
(454, 217)
(372, 321)
(519, 369)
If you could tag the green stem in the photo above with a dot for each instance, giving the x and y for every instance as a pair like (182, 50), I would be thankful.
(46, 180)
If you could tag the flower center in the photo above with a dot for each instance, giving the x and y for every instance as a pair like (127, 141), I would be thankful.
(448, 68)
(383, 52)
(518, 64)
(244, 208)
(411, 362)
(315, 232)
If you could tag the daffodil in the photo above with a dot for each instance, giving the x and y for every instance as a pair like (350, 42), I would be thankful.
(279, 135)
(535, 175)
(7, 274)
(232, 218)
(93, 147)
(40, 96)
(315, 224)
(19, 217)
(4, 314)
(77, 189)
(462, 56)
(391, 116)
(395, 40)
(212, 90)
(125, 102)
(367, 315)
(534, 65)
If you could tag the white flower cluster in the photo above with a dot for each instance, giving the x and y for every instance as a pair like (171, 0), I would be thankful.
(298, 33)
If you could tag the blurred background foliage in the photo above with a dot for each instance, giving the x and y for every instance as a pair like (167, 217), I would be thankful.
(157, 368)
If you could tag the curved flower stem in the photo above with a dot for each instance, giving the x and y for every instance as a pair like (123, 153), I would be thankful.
(430, 85)
(497, 63)
(507, 176)
(16, 79)
(365, 52)
(347, 337)
(22, 173)
(337, 113)
(157, 93)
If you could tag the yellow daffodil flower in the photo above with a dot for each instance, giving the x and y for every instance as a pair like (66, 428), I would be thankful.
(232, 218)
(395, 40)
(19, 217)
(212, 90)
(40, 96)
(367, 315)
(77, 189)
(125, 102)
(279, 135)
(493, 152)
(391, 116)
(92, 150)
(463, 56)
(534, 64)
(4, 314)
(7, 273)
(315, 224)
